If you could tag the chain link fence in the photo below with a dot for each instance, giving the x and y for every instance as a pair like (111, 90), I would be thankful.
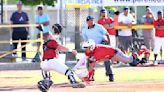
(74, 20)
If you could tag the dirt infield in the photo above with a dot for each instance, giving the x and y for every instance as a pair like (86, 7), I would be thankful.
(93, 87)
(128, 79)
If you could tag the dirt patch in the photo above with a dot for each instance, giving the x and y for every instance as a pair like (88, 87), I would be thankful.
(116, 87)
(93, 87)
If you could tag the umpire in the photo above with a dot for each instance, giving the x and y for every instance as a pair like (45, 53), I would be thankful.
(21, 33)
(97, 33)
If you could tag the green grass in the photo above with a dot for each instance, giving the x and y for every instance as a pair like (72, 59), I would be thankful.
(132, 74)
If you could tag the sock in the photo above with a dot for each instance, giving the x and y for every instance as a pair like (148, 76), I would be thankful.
(135, 55)
(91, 73)
(147, 55)
(140, 52)
(70, 75)
(155, 57)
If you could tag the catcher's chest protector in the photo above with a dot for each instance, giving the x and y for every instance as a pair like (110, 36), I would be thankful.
(46, 47)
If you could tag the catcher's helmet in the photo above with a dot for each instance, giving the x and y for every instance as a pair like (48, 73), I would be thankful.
(57, 28)
(44, 85)
(89, 44)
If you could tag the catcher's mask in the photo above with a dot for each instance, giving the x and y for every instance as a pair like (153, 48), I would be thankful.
(44, 85)
(57, 28)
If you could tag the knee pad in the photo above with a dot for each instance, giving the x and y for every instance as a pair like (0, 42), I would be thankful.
(68, 72)
(44, 85)
(70, 76)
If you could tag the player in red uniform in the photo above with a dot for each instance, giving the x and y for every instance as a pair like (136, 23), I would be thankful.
(159, 35)
(50, 62)
(108, 24)
(99, 53)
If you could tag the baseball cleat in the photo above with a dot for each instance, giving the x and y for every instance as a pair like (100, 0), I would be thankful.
(45, 91)
(86, 80)
(155, 63)
(78, 85)
(111, 78)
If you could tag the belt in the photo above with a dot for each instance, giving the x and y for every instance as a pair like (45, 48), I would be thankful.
(114, 54)
(116, 51)
(47, 59)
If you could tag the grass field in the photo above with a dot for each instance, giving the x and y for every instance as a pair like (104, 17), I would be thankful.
(127, 79)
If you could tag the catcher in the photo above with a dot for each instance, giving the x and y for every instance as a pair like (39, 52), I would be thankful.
(50, 62)
(99, 53)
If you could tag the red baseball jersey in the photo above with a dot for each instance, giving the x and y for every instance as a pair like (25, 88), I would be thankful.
(107, 21)
(116, 23)
(102, 52)
(159, 22)
(49, 49)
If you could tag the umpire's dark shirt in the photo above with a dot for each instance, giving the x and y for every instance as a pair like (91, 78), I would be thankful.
(19, 18)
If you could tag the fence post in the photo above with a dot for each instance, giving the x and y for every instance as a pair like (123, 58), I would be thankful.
(41, 44)
(77, 29)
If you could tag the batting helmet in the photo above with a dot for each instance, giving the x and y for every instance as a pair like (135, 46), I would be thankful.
(89, 44)
(44, 85)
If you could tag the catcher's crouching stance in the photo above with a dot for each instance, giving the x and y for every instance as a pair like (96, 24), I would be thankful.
(51, 62)
(99, 53)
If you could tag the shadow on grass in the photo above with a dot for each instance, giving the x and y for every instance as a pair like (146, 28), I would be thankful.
(15, 77)
(30, 87)
(14, 88)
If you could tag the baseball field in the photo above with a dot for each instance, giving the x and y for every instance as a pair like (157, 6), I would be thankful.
(127, 79)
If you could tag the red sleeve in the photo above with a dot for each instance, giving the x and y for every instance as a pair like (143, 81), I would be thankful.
(155, 23)
(53, 44)
(112, 20)
(100, 21)
(88, 54)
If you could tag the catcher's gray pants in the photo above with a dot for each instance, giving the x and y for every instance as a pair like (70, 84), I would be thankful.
(121, 57)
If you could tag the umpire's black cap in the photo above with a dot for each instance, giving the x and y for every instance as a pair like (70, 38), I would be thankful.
(89, 18)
